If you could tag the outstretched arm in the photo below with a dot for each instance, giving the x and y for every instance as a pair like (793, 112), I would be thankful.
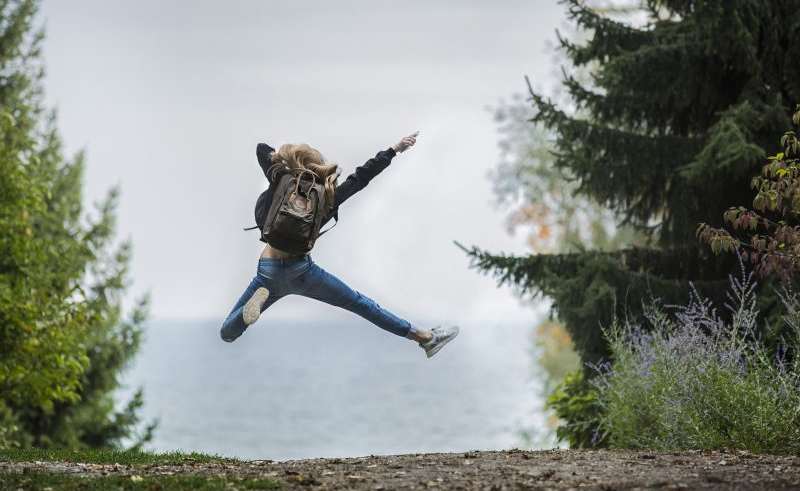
(364, 173)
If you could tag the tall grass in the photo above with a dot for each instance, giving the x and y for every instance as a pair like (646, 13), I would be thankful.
(693, 381)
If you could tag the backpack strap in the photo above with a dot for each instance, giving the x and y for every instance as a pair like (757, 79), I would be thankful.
(275, 169)
(335, 222)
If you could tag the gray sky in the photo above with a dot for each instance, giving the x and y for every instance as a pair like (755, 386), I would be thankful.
(170, 98)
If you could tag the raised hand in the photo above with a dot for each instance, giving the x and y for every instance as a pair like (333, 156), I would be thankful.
(406, 143)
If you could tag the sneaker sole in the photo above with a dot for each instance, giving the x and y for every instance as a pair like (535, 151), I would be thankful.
(441, 345)
(252, 309)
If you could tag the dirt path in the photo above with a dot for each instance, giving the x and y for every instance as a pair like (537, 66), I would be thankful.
(514, 469)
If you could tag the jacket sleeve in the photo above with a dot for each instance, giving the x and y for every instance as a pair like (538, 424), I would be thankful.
(263, 154)
(362, 175)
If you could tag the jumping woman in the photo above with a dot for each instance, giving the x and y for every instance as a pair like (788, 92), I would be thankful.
(300, 182)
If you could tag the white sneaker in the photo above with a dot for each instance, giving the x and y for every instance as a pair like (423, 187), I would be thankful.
(252, 309)
(441, 336)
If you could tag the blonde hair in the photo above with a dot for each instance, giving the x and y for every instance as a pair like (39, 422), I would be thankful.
(303, 156)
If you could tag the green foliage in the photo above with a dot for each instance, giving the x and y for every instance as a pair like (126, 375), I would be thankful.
(109, 456)
(575, 402)
(62, 337)
(694, 381)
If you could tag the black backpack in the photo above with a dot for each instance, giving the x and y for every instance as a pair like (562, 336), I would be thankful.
(293, 220)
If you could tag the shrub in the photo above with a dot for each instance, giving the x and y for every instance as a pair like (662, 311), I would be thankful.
(575, 402)
(693, 381)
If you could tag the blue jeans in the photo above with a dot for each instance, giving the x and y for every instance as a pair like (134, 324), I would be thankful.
(302, 276)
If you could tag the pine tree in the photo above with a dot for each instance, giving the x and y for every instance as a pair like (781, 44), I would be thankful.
(681, 112)
(63, 341)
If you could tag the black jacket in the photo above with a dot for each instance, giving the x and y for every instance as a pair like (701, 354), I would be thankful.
(355, 182)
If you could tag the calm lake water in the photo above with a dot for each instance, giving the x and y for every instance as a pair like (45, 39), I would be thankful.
(292, 389)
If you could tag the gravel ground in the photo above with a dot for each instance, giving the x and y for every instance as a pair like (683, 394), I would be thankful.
(513, 469)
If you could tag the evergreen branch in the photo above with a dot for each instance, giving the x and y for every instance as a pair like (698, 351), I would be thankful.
(643, 262)
(625, 171)
(581, 95)
(610, 37)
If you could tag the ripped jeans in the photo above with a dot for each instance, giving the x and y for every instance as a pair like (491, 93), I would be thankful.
(302, 276)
